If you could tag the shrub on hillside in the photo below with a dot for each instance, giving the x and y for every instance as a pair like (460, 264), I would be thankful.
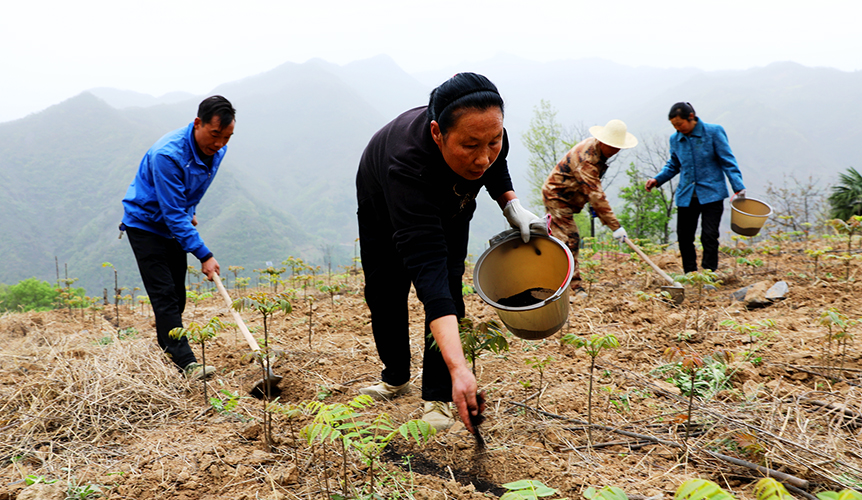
(28, 295)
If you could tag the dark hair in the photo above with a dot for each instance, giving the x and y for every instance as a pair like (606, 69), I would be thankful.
(462, 91)
(681, 110)
(216, 106)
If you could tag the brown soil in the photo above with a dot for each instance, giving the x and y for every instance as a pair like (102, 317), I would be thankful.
(79, 401)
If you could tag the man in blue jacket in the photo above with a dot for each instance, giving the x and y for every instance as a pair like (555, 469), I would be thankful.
(699, 152)
(159, 217)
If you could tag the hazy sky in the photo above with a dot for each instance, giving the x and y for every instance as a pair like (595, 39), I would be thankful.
(53, 50)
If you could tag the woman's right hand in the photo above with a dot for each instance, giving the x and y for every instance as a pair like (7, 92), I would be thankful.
(651, 183)
(464, 386)
(464, 390)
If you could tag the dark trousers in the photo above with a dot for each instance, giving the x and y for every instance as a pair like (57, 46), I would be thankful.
(710, 218)
(387, 286)
(163, 266)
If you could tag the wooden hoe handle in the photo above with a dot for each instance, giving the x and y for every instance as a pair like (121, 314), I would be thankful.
(239, 322)
(650, 262)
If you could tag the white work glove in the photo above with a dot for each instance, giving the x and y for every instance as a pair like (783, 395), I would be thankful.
(520, 218)
(621, 234)
(741, 194)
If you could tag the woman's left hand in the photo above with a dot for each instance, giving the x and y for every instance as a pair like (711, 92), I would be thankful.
(520, 218)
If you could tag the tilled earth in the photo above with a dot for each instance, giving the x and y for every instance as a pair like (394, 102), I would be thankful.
(81, 402)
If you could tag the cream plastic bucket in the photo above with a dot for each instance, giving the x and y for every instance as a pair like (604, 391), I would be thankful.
(748, 215)
(510, 266)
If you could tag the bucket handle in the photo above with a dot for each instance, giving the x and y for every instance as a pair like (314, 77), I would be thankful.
(537, 226)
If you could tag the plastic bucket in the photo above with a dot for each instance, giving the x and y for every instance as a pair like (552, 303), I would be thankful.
(748, 215)
(510, 267)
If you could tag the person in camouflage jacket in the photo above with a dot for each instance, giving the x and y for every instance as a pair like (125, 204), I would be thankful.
(577, 180)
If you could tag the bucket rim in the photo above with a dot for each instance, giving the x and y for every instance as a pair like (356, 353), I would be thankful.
(507, 236)
(767, 205)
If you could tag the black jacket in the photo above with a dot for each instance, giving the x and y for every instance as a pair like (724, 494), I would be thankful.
(418, 200)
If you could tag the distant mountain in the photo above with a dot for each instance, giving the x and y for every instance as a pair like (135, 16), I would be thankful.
(781, 119)
(287, 184)
(121, 99)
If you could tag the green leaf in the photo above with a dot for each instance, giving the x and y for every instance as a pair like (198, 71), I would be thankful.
(420, 430)
(849, 495)
(770, 489)
(606, 493)
(520, 485)
(517, 495)
(701, 489)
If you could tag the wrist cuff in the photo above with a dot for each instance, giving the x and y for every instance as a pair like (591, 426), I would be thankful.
(206, 257)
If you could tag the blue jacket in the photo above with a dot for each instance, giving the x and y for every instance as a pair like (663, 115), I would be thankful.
(702, 158)
(170, 182)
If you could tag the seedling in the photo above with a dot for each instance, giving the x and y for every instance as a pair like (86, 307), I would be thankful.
(227, 405)
(590, 273)
(310, 301)
(142, 300)
(755, 263)
(235, 270)
(116, 292)
(526, 385)
(780, 236)
(753, 332)
(699, 280)
(193, 271)
(539, 365)
(242, 283)
(593, 347)
(740, 250)
(690, 362)
(200, 334)
(851, 227)
(196, 299)
(748, 444)
(837, 325)
(344, 423)
(846, 258)
(272, 275)
(486, 336)
(816, 254)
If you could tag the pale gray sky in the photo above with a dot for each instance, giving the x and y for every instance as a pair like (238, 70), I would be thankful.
(53, 50)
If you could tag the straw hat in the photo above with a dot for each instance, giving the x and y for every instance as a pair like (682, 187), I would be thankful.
(614, 134)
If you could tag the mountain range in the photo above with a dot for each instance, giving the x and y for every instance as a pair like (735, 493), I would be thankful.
(286, 187)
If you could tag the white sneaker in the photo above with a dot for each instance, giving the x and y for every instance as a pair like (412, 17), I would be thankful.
(383, 390)
(439, 415)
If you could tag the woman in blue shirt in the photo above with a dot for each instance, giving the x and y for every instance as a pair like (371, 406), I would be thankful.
(700, 154)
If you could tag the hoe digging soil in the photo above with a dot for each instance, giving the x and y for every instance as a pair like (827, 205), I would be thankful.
(676, 291)
(269, 384)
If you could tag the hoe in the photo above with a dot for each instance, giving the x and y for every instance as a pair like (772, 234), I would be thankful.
(269, 384)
